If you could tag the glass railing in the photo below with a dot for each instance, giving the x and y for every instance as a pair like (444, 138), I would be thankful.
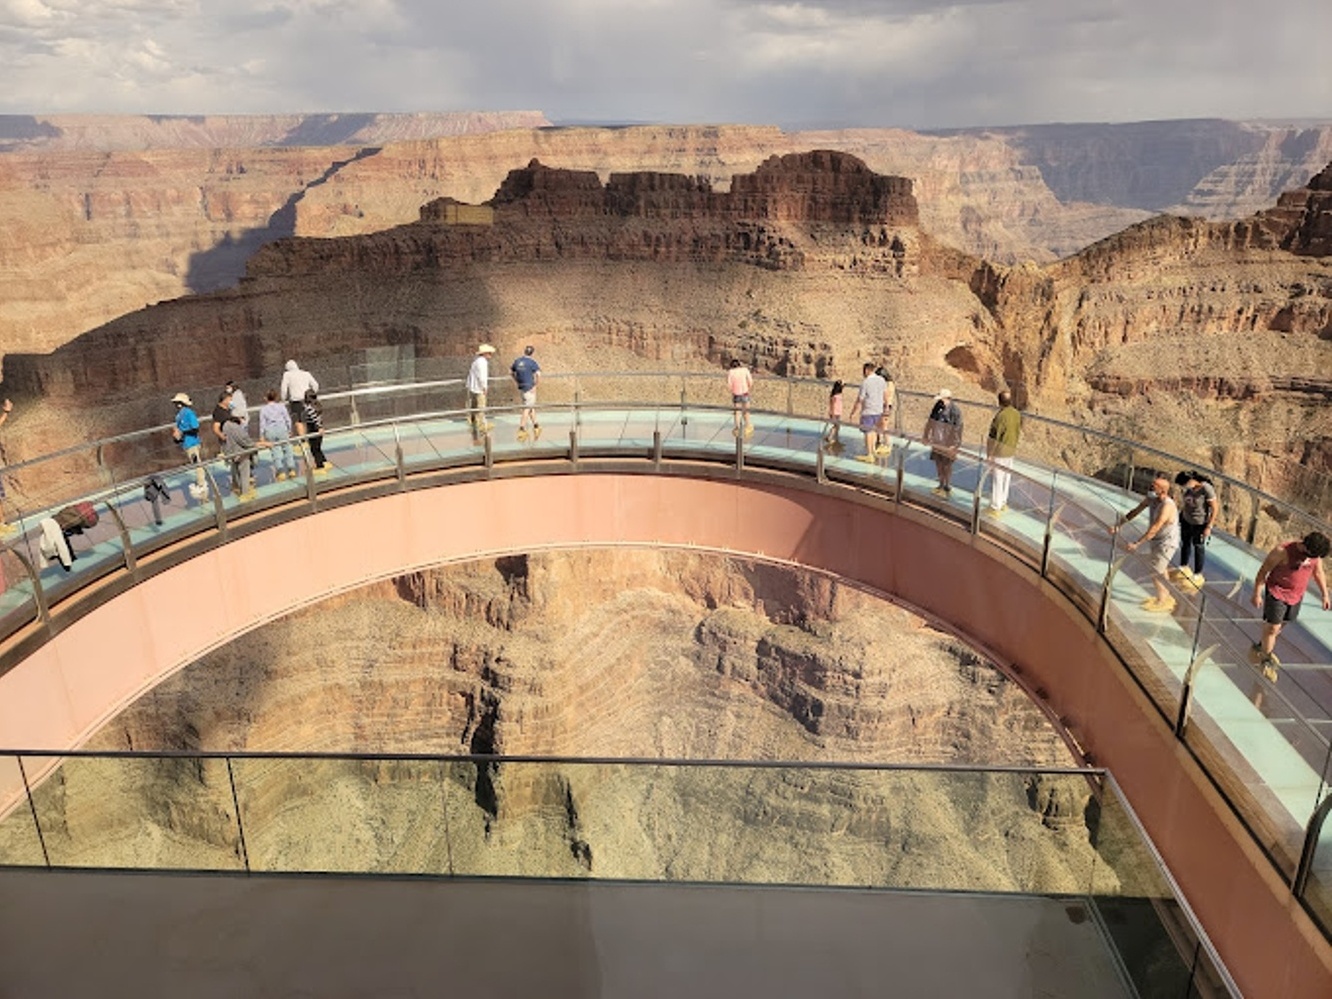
(1061, 834)
(1264, 742)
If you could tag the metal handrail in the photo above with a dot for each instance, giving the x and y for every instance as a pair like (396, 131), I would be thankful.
(1167, 458)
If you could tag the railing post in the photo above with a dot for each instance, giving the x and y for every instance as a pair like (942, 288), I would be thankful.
(901, 472)
(739, 451)
(131, 565)
(397, 455)
(976, 504)
(38, 594)
(32, 807)
(819, 474)
(488, 451)
(240, 825)
(573, 448)
(1311, 836)
(1103, 615)
(790, 397)
(684, 415)
(656, 449)
(355, 415)
(219, 510)
(1195, 662)
(310, 493)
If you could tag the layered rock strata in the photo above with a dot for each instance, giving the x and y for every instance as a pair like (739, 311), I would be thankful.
(597, 653)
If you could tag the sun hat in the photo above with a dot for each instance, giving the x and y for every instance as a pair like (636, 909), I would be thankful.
(182, 398)
(485, 348)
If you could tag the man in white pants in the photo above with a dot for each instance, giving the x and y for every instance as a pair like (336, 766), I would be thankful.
(1000, 447)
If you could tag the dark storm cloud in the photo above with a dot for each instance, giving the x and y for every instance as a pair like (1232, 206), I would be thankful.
(873, 62)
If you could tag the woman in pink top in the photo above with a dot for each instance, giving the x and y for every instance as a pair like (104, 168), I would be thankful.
(833, 437)
(740, 381)
(1285, 575)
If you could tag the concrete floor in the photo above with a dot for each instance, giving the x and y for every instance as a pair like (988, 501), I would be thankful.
(72, 934)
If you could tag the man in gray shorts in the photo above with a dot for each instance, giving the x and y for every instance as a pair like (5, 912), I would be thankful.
(1163, 535)
(869, 408)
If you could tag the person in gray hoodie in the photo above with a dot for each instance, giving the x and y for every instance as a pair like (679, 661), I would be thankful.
(295, 383)
(239, 449)
(275, 431)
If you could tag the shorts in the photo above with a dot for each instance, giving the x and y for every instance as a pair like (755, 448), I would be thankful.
(869, 422)
(529, 398)
(740, 400)
(1277, 611)
(1162, 556)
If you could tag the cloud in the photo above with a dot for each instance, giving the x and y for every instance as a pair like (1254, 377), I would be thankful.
(915, 63)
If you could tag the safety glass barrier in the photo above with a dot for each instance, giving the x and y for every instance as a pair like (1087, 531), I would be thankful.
(340, 457)
(382, 816)
(163, 508)
(20, 844)
(1248, 731)
(132, 812)
(72, 546)
(785, 441)
(1080, 545)
(754, 825)
(18, 605)
(438, 440)
(379, 405)
(1316, 886)
(632, 388)
(1076, 450)
(1152, 932)
(1017, 505)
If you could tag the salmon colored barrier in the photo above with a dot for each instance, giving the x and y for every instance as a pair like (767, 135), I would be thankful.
(71, 685)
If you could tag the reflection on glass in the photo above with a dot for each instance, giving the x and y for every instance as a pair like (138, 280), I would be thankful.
(1136, 906)
(136, 812)
(359, 815)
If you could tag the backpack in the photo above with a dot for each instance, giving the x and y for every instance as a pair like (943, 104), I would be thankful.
(77, 518)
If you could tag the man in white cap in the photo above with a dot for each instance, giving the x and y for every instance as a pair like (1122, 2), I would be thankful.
(478, 377)
(186, 434)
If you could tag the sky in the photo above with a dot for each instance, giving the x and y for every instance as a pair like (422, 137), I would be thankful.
(907, 63)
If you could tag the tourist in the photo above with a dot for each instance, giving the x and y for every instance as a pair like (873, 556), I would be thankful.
(527, 375)
(275, 433)
(295, 383)
(1279, 588)
(1163, 533)
(943, 432)
(239, 449)
(478, 378)
(885, 445)
(239, 407)
(740, 382)
(1000, 446)
(312, 417)
(221, 415)
(1197, 514)
(868, 408)
(186, 433)
(833, 436)
(6, 530)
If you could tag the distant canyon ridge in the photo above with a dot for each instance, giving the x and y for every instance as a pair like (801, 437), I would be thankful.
(807, 253)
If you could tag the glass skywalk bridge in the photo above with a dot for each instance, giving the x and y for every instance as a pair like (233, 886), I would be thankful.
(1265, 745)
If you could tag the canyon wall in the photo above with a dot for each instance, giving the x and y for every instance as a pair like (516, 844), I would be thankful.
(597, 653)
(1209, 339)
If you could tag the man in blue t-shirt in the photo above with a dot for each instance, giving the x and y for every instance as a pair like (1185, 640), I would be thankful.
(186, 433)
(526, 374)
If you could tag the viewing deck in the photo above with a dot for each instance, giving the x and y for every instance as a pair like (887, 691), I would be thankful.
(1044, 587)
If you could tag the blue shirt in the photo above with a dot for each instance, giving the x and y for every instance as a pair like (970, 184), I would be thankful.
(525, 373)
(188, 425)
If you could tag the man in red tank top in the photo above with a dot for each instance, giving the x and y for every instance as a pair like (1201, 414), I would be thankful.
(1285, 575)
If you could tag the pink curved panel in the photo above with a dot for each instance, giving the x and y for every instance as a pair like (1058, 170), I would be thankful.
(92, 669)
